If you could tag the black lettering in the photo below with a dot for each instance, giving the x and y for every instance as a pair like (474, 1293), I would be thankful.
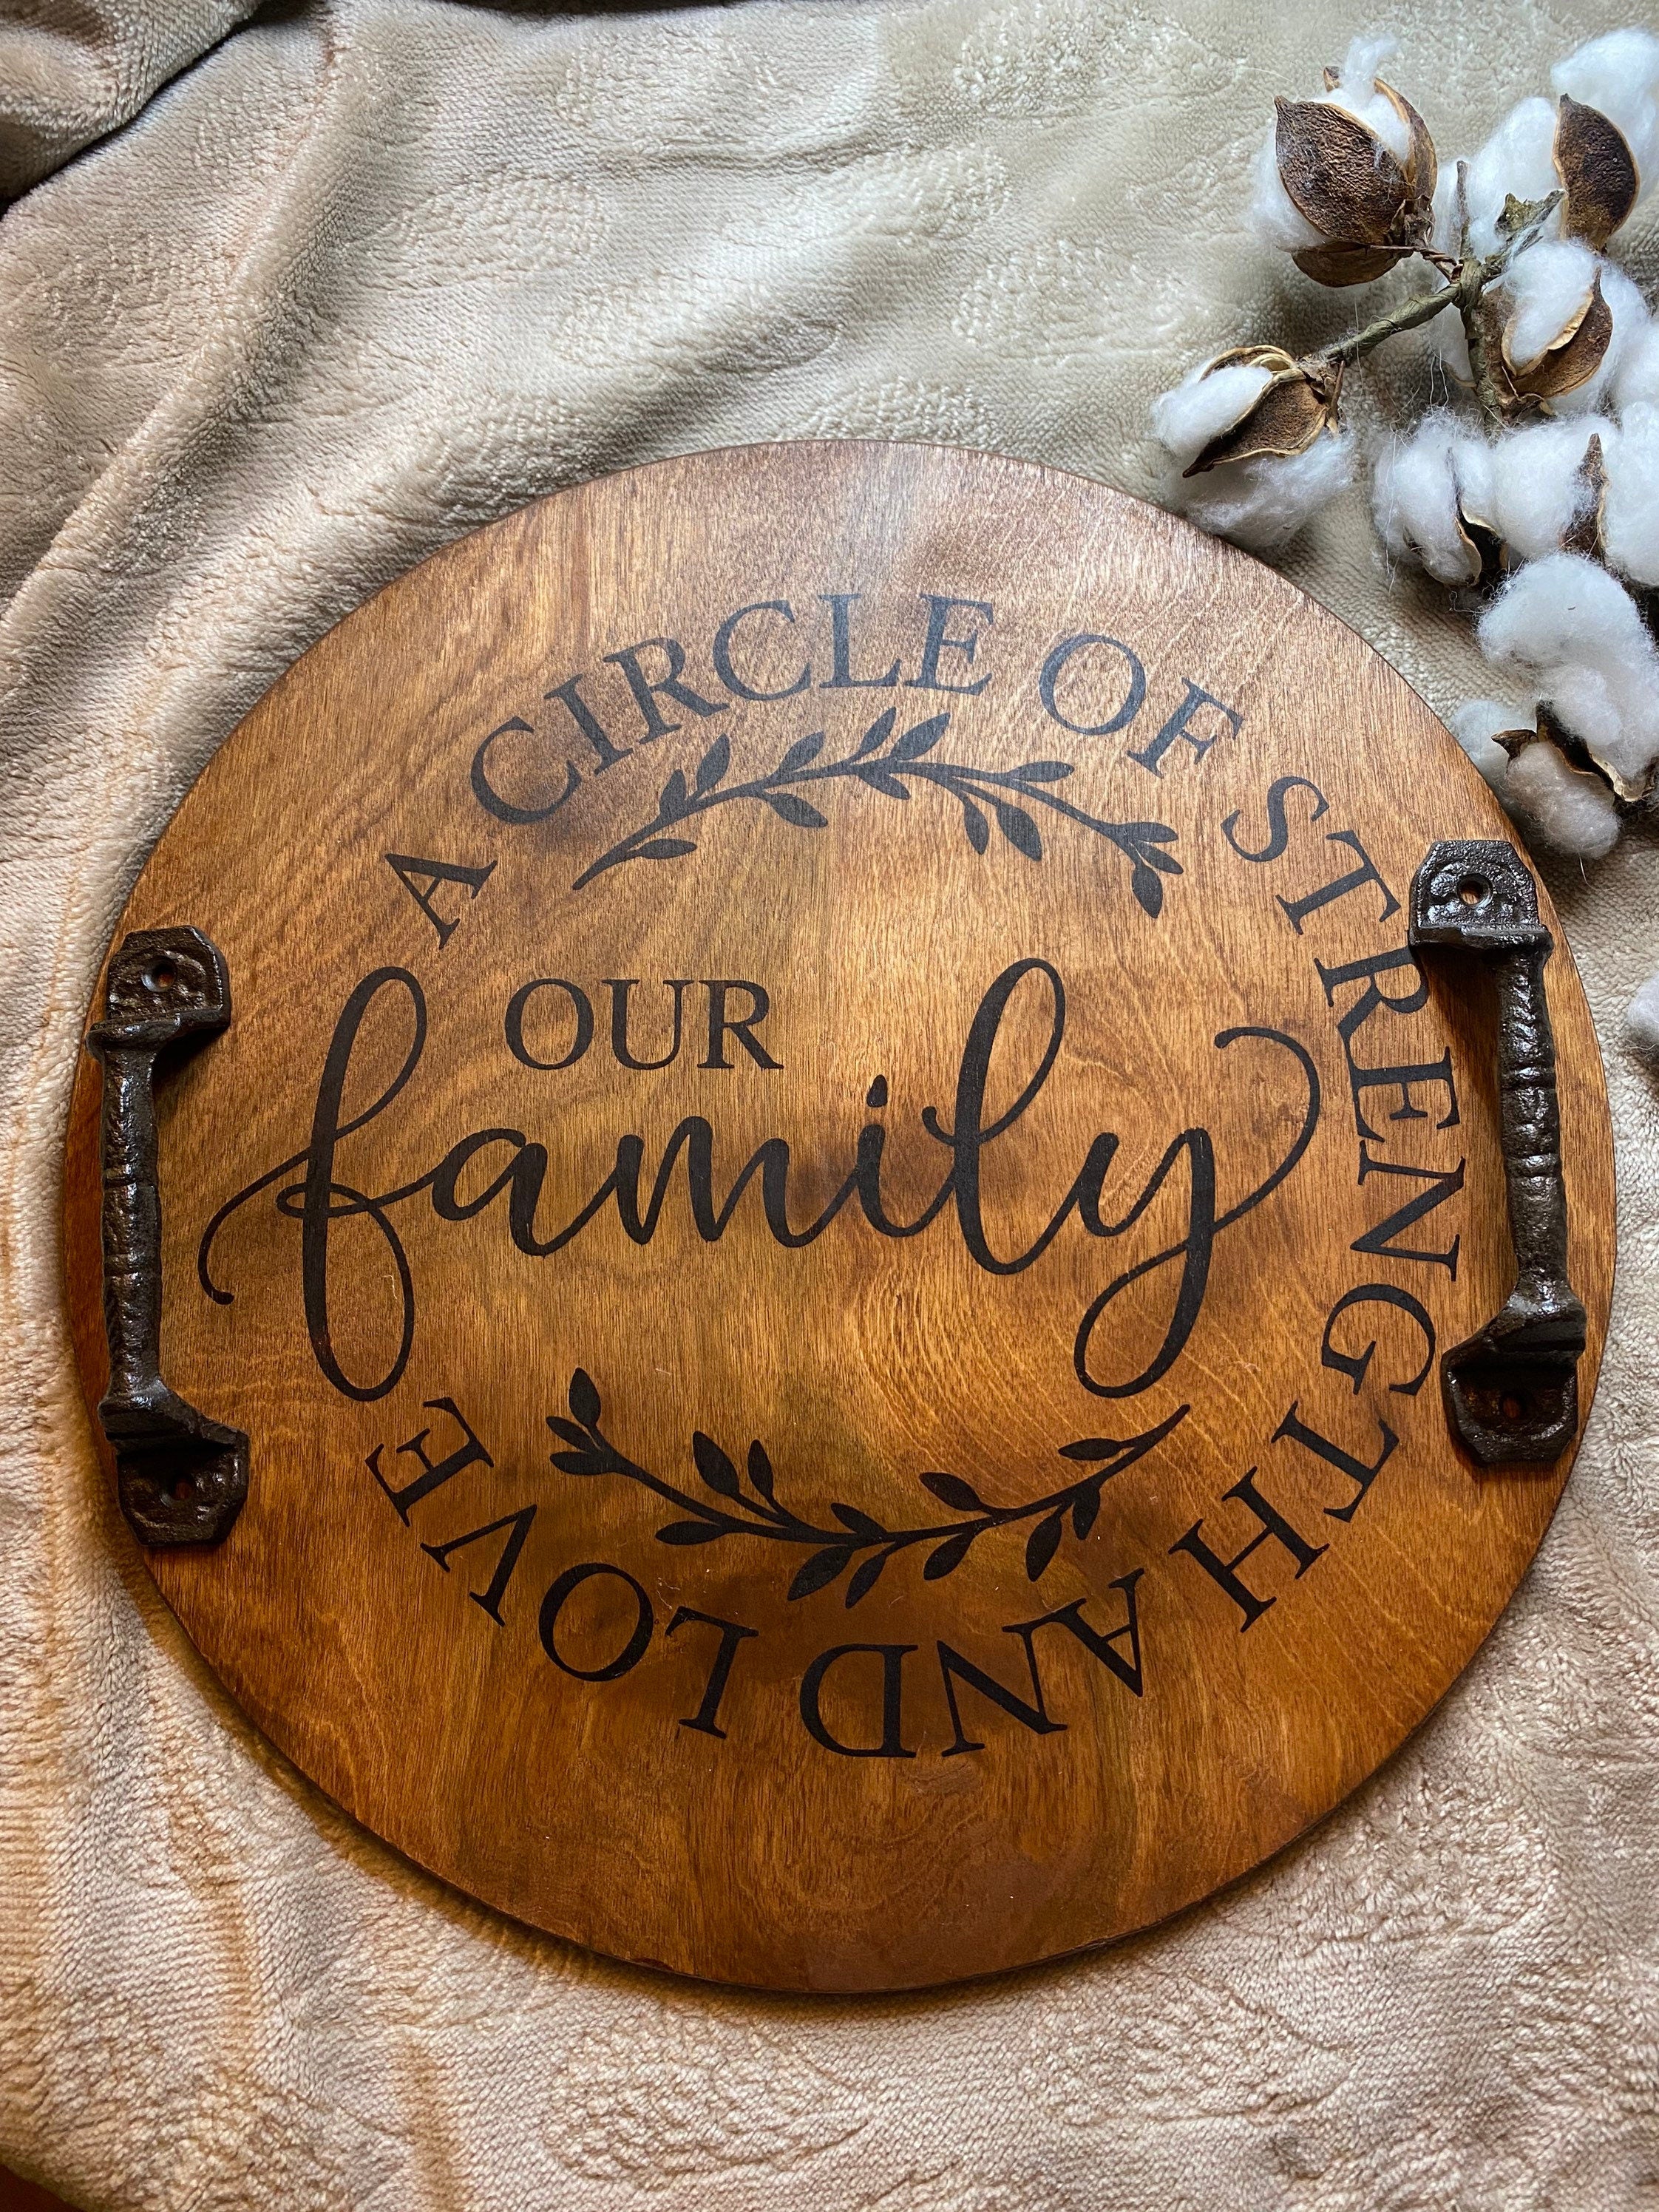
(491, 800)
(490, 1599)
(553, 1604)
(646, 692)
(1402, 1078)
(1278, 826)
(619, 987)
(892, 1656)
(721, 654)
(1178, 727)
(468, 1452)
(1361, 1476)
(928, 677)
(1225, 1572)
(1070, 1618)
(1379, 1241)
(1356, 1364)
(720, 1023)
(421, 879)
(568, 695)
(841, 635)
(581, 1006)
(1033, 1716)
(1356, 879)
(1054, 666)
(705, 1720)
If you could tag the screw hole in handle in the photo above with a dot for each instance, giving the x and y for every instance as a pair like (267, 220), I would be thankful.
(181, 1477)
(1511, 1390)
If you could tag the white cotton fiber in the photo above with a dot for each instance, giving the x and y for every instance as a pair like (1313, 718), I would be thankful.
(1642, 1018)
(1262, 504)
(1519, 157)
(1475, 726)
(1562, 806)
(1630, 521)
(1538, 491)
(1636, 381)
(1201, 407)
(1274, 215)
(1414, 499)
(1574, 631)
(1631, 326)
(1544, 288)
(1620, 74)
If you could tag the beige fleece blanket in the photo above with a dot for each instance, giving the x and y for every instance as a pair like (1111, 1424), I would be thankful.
(373, 271)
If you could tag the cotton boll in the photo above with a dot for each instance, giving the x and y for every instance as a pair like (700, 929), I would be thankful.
(1538, 491)
(1620, 74)
(1545, 288)
(1414, 499)
(1642, 1018)
(1629, 514)
(1203, 406)
(1632, 324)
(1519, 157)
(1574, 631)
(1636, 382)
(1475, 726)
(1563, 806)
(1263, 504)
(1274, 215)
(1448, 345)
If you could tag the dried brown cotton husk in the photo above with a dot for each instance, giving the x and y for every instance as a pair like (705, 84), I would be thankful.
(1597, 171)
(1284, 418)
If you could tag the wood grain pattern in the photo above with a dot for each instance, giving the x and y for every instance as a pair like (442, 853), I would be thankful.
(1067, 1724)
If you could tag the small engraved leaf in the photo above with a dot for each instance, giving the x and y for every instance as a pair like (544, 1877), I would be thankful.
(801, 755)
(1155, 833)
(879, 780)
(584, 1398)
(823, 1567)
(949, 1556)
(713, 764)
(922, 738)
(1595, 164)
(569, 1432)
(794, 810)
(865, 1577)
(663, 848)
(1042, 772)
(951, 1490)
(1084, 1507)
(1092, 1448)
(1043, 1543)
(671, 805)
(713, 1465)
(1148, 891)
(690, 1532)
(760, 1471)
(978, 829)
(1020, 830)
(860, 1523)
(876, 736)
(587, 1462)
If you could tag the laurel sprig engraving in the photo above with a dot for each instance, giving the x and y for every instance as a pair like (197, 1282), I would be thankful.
(746, 1504)
(893, 766)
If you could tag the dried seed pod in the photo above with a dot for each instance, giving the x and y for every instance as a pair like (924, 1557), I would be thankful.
(1597, 171)
(1338, 175)
(1282, 419)
(1629, 791)
(1340, 265)
(1422, 166)
(1583, 533)
(1570, 358)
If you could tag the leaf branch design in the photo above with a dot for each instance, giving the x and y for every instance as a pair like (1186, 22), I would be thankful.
(746, 1504)
(893, 766)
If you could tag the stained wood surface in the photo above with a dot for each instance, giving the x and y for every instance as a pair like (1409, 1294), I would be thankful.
(1068, 1715)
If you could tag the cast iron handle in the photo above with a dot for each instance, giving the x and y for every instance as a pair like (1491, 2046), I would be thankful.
(1511, 1390)
(182, 1477)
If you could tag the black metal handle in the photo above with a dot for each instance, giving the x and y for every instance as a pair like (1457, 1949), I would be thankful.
(1511, 1390)
(182, 1477)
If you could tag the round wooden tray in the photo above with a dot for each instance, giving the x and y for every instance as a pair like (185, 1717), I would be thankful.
(831, 1206)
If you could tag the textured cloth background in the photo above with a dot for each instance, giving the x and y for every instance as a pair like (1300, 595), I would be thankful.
(366, 275)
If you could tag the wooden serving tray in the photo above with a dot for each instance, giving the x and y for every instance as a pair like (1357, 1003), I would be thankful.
(830, 1207)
